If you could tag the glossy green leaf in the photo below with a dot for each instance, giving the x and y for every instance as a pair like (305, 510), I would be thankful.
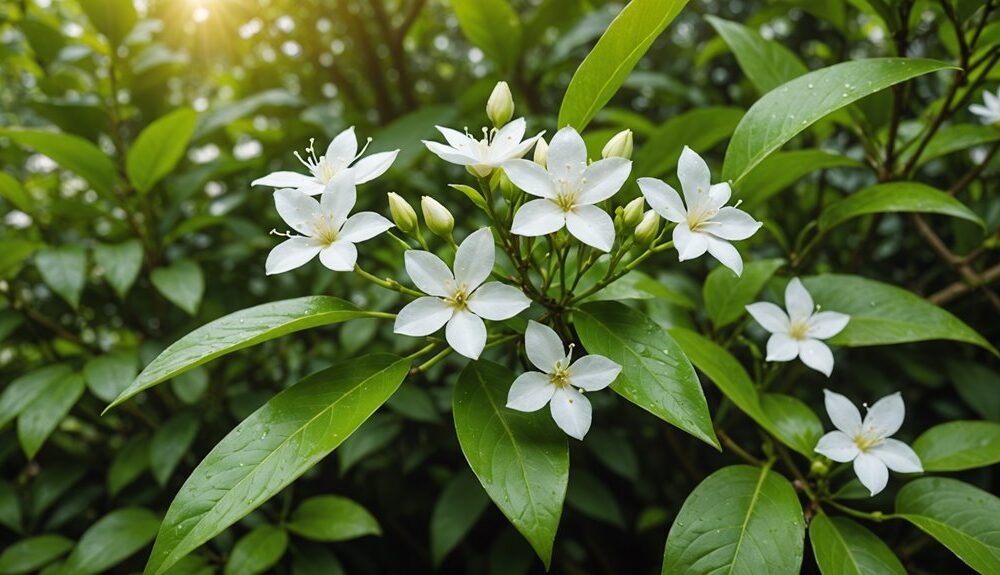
(332, 518)
(12, 191)
(108, 375)
(959, 445)
(883, 314)
(457, 510)
(271, 448)
(961, 517)
(113, 18)
(13, 253)
(159, 147)
(895, 197)
(977, 384)
(782, 169)
(64, 269)
(794, 106)
(374, 436)
(740, 519)
(257, 551)
(493, 26)
(726, 294)
(130, 461)
(41, 417)
(31, 554)
(795, 423)
(71, 153)
(119, 264)
(521, 459)
(171, 443)
(240, 330)
(604, 70)
(766, 63)
(844, 547)
(111, 540)
(656, 375)
(20, 392)
(182, 283)
(951, 139)
(700, 129)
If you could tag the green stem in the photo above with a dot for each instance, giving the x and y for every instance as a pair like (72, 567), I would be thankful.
(876, 516)
(387, 283)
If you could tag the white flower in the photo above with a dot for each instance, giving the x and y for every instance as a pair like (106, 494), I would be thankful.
(459, 300)
(990, 113)
(568, 189)
(340, 157)
(867, 442)
(560, 384)
(326, 229)
(704, 225)
(798, 333)
(482, 156)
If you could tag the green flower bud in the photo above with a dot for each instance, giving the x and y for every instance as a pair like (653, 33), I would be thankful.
(403, 214)
(437, 217)
(500, 107)
(620, 146)
(541, 152)
(633, 212)
(647, 229)
(819, 468)
(507, 188)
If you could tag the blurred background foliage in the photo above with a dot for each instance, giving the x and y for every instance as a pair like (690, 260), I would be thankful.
(99, 275)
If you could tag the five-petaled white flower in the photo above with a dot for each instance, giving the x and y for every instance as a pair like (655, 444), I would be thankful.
(568, 189)
(704, 225)
(867, 442)
(482, 156)
(461, 300)
(326, 229)
(339, 158)
(560, 383)
(798, 333)
(990, 112)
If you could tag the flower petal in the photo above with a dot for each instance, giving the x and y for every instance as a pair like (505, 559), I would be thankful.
(462, 142)
(340, 256)
(284, 180)
(496, 301)
(689, 245)
(521, 149)
(449, 154)
(537, 218)
(593, 372)
(816, 355)
(838, 446)
(571, 412)
(466, 333)
(696, 180)
(423, 316)
(543, 346)
(826, 324)
(897, 456)
(781, 347)
(290, 254)
(592, 226)
(297, 209)
(603, 179)
(530, 177)
(844, 415)
(885, 416)
(506, 140)
(663, 199)
(370, 167)
(474, 258)
(719, 194)
(567, 156)
(530, 392)
(342, 149)
(992, 102)
(338, 199)
(363, 226)
(429, 273)
(872, 473)
(733, 224)
(725, 253)
(798, 302)
(769, 316)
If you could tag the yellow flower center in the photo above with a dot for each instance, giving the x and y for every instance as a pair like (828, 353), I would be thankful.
(323, 229)
(798, 329)
(459, 299)
(559, 376)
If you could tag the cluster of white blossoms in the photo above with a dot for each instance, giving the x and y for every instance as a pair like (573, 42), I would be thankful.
(989, 110)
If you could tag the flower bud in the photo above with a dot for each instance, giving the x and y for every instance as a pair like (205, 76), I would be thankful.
(620, 146)
(437, 217)
(541, 152)
(633, 212)
(647, 229)
(500, 107)
(403, 214)
(819, 468)
(507, 188)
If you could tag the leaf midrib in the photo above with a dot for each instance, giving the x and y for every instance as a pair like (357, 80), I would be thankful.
(746, 520)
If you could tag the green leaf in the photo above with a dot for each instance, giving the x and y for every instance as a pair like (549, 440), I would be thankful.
(129, 463)
(740, 519)
(374, 436)
(951, 139)
(171, 443)
(159, 147)
(257, 551)
(961, 517)
(182, 283)
(240, 330)
(908, 197)
(457, 510)
(19, 393)
(41, 417)
(726, 294)
(959, 445)
(882, 314)
(108, 375)
(792, 107)
(472, 193)
(271, 448)
(332, 518)
(493, 26)
(977, 385)
(521, 459)
(13, 253)
(64, 269)
(11, 190)
(119, 264)
(656, 375)
(795, 424)
(701, 129)
(10, 508)
(620, 48)
(766, 63)
(72, 153)
(113, 18)
(111, 540)
(843, 547)
(588, 495)
(31, 554)
(222, 116)
(782, 169)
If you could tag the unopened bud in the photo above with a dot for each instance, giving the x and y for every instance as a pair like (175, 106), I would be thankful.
(620, 146)
(647, 229)
(633, 213)
(541, 156)
(500, 106)
(506, 186)
(403, 214)
(819, 468)
(437, 217)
